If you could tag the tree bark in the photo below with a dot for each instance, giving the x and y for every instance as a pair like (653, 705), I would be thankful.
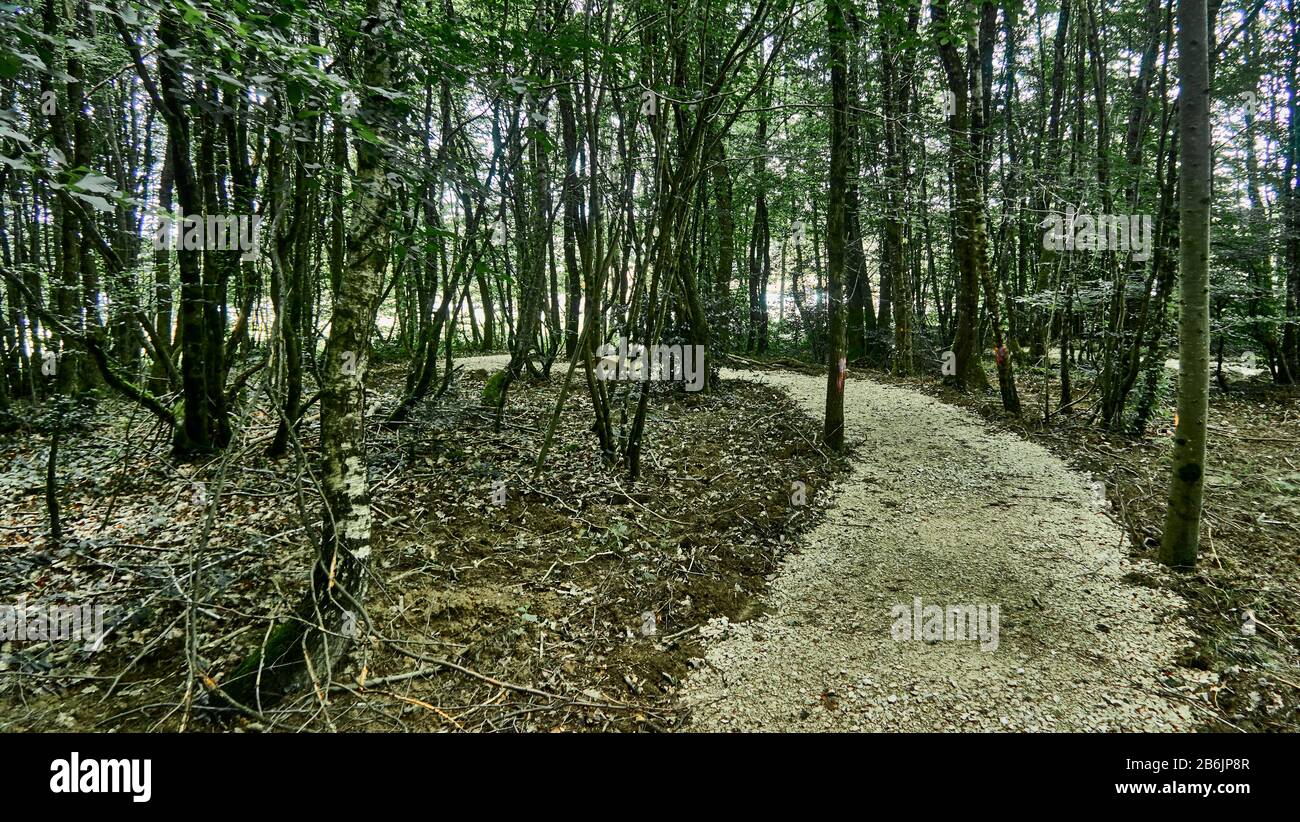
(1181, 539)
(833, 431)
(311, 647)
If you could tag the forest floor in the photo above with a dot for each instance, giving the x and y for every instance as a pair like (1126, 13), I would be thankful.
(939, 506)
(574, 605)
(703, 597)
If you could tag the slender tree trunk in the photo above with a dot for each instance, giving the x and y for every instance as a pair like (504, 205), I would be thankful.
(979, 221)
(310, 648)
(726, 244)
(896, 92)
(1291, 205)
(964, 151)
(836, 362)
(1187, 484)
(860, 312)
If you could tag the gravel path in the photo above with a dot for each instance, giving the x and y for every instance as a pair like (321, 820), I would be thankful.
(941, 507)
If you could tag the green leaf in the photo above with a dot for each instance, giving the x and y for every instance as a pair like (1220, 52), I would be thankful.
(365, 133)
(9, 65)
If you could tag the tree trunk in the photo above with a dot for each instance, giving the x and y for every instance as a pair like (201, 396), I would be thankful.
(969, 203)
(1187, 484)
(310, 648)
(833, 431)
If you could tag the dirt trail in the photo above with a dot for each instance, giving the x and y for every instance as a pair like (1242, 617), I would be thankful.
(940, 506)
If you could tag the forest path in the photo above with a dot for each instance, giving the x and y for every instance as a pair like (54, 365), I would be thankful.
(940, 506)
